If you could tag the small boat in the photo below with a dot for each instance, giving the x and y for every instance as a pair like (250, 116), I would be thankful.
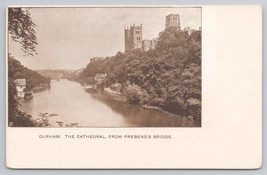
(28, 95)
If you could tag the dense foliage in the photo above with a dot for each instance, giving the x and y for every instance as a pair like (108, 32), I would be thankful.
(21, 29)
(33, 79)
(168, 76)
(17, 71)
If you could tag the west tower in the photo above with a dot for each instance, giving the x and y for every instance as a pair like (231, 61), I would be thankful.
(173, 20)
(133, 37)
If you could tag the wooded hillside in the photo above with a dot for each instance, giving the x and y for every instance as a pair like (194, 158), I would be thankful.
(168, 76)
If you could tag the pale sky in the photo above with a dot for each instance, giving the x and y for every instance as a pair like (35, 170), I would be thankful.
(69, 37)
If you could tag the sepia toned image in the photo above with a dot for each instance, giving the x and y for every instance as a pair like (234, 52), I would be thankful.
(104, 66)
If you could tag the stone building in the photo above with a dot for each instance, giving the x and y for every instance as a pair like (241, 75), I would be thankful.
(146, 45)
(149, 44)
(154, 43)
(21, 87)
(189, 31)
(173, 20)
(133, 37)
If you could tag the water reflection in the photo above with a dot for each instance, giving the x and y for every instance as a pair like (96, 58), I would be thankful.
(73, 105)
(145, 117)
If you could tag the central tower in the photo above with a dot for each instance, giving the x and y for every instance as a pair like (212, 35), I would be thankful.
(133, 37)
(173, 20)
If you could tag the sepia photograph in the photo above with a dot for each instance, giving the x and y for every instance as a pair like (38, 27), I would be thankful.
(100, 67)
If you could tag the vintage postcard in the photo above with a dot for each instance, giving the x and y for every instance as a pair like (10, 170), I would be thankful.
(133, 86)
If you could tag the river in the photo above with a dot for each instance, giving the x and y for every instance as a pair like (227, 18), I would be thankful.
(73, 104)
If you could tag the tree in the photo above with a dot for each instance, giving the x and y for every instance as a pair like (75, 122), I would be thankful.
(135, 95)
(12, 102)
(18, 75)
(21, 28)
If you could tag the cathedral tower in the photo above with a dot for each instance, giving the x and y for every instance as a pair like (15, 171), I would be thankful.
(133, 37)
(173, 20)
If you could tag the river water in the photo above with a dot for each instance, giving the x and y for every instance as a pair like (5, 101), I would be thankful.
(73, 104)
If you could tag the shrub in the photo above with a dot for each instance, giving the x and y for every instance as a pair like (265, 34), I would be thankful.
(135, 95)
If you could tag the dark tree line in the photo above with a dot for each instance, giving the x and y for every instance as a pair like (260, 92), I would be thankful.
(168, 76)
(17, 71)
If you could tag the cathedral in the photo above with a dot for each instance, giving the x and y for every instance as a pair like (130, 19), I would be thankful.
(134, 38)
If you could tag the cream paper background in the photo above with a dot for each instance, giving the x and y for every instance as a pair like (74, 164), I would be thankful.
(231, 132)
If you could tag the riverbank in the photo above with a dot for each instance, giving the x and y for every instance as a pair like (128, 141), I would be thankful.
(120, 97)
(151, 115)
(114, 94)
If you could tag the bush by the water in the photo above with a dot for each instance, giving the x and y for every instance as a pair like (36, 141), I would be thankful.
(135, 95)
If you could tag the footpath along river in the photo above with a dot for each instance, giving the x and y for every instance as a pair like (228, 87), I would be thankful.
(73, 104)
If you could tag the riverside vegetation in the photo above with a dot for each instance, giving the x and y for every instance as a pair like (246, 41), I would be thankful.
(168, 76)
